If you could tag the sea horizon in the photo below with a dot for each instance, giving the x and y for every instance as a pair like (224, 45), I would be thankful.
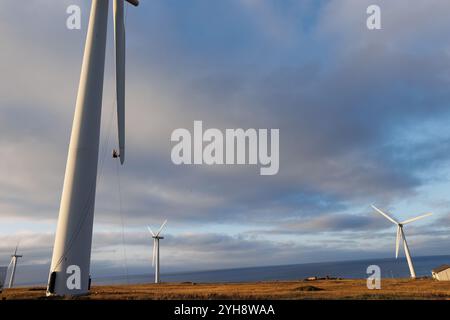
(345, 269)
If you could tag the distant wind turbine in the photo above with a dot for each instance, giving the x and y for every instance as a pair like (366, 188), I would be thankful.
(155, 257)
(401, 237)
(70, 267)
(13, 262)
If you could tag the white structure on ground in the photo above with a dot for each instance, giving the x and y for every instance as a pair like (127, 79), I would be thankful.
(441, 273)
(155, 257)
(402, 238)
(13, 264)
(70, 267)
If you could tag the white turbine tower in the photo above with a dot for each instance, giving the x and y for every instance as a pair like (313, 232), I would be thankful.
(69, 271)
(155, 257)
(13, 262)
(401, 237)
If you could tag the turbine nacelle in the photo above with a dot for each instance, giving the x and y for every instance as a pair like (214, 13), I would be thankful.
(15, 255)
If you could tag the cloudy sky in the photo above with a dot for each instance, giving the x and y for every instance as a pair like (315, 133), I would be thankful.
(363, 118)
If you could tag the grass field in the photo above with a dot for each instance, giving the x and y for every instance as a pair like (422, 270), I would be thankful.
(320, 289)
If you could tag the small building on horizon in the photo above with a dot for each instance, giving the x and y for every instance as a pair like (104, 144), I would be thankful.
(441, 273)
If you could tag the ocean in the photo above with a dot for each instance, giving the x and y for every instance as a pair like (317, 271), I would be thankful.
(390, 268)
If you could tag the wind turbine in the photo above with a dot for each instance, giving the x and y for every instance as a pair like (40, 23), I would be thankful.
(155, 257)
(401, 237)
(69, 271)
(13, 262)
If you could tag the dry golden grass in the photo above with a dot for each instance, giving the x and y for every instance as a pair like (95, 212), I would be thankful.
(321, 289)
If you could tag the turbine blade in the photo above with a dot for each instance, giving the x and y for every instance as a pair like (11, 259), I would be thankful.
(397, 242)
(134, 2)
(10, 263)
(17, 247)
(150, 230)
(119, 35)
(416, 218)
(385, 215)
(154, 252)
(160, 229)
